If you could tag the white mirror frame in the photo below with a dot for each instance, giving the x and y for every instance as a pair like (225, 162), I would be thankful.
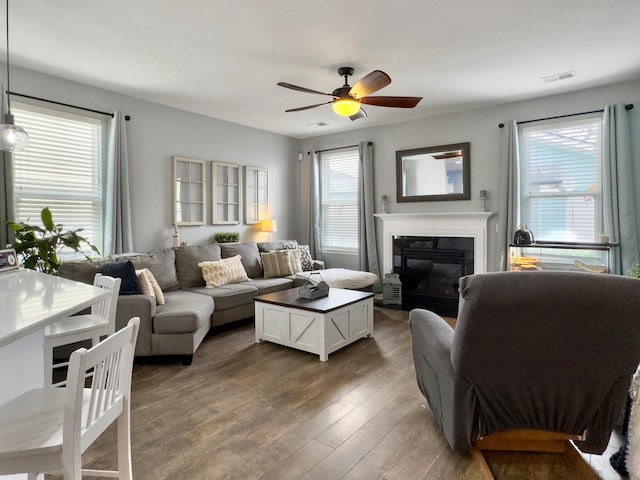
(226, 193)
(188, 191)
(256, 194)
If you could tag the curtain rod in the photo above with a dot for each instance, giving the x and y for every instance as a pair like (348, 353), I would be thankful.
(629, 106)
(338, 148)
(127, 117)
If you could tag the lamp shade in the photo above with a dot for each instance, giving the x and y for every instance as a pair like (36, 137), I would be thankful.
(268, 226)
(346, 106)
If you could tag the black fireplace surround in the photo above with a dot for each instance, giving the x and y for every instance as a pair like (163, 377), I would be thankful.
(430, 269)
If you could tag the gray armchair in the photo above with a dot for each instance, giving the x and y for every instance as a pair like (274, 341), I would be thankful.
(531, 352)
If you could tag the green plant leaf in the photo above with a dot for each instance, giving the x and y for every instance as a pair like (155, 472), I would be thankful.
(47, 219)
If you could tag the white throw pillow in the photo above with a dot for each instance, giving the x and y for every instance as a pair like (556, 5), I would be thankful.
(149, 285)
(277, 263)
(295, 260)
(223, 272)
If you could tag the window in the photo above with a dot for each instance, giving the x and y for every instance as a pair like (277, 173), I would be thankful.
(339, 200)
(561, 179)
(61, 169)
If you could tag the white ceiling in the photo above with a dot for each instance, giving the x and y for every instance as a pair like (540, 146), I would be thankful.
(223, 58)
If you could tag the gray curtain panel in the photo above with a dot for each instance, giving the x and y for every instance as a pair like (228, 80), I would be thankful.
(508, 197)
(367, 251)
(118, 236)
(621, 200)
(315, 244)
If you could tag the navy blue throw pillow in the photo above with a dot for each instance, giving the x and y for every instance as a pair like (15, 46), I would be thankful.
(125, 271)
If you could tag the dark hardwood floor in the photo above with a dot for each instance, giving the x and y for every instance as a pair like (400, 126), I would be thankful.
(265, 412)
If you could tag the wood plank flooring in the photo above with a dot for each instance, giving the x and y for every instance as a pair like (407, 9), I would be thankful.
(252, 411)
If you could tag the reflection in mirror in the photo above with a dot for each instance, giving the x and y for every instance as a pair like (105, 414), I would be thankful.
(433, 173)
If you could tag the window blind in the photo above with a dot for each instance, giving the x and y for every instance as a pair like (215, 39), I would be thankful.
(339, 197)
(61, 169)
(561, 179)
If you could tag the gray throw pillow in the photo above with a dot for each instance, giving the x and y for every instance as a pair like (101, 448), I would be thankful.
(187, 260)
(250, 256)
(162, 264)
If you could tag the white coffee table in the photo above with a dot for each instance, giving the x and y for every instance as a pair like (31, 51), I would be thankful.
(319, 326)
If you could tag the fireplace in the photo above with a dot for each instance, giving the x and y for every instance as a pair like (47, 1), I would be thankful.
(430, 269)
(471, 226)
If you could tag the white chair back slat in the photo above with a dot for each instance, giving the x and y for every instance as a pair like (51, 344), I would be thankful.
(107, 307)
(110, 360)
(80, 412)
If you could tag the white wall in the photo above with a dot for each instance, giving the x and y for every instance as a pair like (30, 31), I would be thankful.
(156, 133)
(480, 127)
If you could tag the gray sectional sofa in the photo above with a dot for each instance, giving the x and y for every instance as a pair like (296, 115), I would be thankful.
(190, 309)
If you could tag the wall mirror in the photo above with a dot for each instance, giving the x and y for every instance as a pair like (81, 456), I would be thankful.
(188, 191)
(434, 173)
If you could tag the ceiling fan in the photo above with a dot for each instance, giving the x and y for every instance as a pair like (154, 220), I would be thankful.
(347, 100)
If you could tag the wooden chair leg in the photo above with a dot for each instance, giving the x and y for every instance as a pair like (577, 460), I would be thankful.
(581, 464)
(481, 463)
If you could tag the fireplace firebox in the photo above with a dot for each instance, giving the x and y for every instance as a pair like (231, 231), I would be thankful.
(430, 269)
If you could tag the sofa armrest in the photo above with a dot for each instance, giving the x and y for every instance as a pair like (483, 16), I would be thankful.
(317, 264)
(450, 396)
(143, 306)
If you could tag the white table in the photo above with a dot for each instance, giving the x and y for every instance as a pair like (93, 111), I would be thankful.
(29, 301)
(319, 326)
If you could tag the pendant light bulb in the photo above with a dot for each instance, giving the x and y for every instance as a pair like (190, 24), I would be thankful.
(13, 138)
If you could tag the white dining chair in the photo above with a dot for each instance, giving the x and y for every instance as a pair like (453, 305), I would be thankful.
(46, 430)
(77, 328)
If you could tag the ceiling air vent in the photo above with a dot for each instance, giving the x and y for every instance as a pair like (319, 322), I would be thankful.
(559, 76)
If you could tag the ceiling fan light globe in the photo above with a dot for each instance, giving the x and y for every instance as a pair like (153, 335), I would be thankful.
(346, 107)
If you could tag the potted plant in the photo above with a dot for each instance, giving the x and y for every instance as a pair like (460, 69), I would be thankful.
(635, 271)
(227, 237)
(40, 247)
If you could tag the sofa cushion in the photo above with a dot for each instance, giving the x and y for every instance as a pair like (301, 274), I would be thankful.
(162, 265)
(270, 285)
(187, 260)
(80, 271)
(184, 312)
(125, 271)
(223, 272)
(229, 296)
(276, 264)
(250, 256)
(279, 245)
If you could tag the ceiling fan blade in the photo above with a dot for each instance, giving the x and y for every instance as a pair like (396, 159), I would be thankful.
(369, 84)
(301, 89)
(361, 114)
(307, 107)
(397, 102)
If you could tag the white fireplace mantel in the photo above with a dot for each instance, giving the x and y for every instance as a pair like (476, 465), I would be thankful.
(459, 224)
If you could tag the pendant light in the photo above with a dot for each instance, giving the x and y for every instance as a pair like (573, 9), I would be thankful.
(13, 138)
